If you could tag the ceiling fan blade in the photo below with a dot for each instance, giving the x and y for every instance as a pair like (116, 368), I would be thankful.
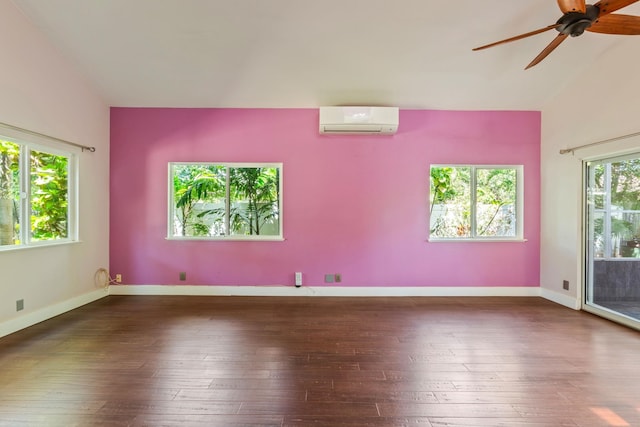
(572, 6)
(547, 50)
(616, 24)
(521, 36)
(609, 6)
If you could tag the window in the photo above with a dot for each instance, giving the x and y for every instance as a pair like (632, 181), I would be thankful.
(37, 195)
(225, 201)
(614, 207)
(475, 202)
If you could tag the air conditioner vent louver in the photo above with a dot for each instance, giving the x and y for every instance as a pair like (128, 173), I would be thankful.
(359, 120)
(349, 129)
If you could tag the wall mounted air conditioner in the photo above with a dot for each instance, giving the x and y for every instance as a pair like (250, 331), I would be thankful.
(359, 120)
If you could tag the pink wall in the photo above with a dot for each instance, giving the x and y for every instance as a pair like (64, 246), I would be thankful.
(355, 205)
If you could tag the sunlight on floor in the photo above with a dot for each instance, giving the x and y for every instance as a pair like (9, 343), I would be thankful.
(610, 417)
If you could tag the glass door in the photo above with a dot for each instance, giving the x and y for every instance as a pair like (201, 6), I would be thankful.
(612, 208)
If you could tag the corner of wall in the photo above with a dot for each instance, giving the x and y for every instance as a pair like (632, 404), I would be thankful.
(37, 316)
(566, 300)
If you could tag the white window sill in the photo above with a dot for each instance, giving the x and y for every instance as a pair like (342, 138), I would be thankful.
(484, 240)
(228, 239)
(10, 248)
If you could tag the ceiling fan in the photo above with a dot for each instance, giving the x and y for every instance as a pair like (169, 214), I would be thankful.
(579, 17)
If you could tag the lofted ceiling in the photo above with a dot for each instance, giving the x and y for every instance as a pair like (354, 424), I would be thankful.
(307, 53)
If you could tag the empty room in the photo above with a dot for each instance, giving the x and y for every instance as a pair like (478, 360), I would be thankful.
(331, 213)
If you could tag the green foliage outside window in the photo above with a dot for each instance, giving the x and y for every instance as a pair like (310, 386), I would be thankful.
(49, 196)
(473, 202)
(614, 208)
(224, 200)
(47, 209)
(9, 193)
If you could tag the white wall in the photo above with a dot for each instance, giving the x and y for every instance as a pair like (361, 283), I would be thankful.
(43, 92)
(603, 102)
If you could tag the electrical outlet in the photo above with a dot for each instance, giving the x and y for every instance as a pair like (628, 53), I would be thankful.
(329, 278)
(118, 278)
(183, 275)
(338, 277)
(20, 305)
(565, 285)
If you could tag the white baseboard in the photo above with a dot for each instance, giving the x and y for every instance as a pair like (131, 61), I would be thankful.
(323, 291)
(40, 315)
(30, 319)
(566, 300)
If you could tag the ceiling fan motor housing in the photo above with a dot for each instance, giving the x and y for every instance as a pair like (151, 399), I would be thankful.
(575, 23)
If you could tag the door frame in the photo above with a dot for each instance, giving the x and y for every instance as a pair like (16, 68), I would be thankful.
(586, 264)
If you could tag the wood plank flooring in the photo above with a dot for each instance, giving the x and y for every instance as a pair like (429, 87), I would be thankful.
(344, 362)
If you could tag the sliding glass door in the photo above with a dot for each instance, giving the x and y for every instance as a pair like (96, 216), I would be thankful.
(612, 207)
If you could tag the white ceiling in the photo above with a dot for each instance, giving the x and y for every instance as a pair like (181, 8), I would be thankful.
(307, 53)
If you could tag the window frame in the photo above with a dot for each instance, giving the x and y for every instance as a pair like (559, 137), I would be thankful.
(227, 237)
(26, 146)
(473, 237)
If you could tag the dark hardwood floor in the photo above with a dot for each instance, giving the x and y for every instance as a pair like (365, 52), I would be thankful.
(345, 362)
